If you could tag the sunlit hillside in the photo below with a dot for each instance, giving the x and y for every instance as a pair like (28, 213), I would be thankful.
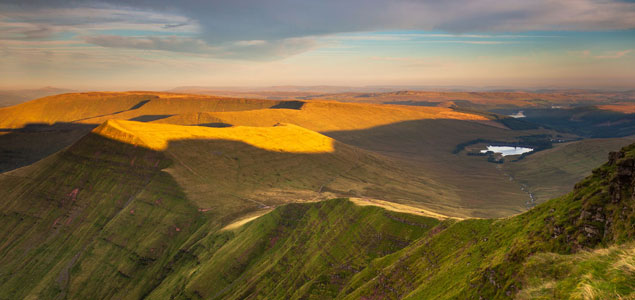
(327, 116)
(97, 107)
(419, 141)
(282, 138)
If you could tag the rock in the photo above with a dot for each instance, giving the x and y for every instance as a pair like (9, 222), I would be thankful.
(599, 217)
(615, 156)
(591, 231)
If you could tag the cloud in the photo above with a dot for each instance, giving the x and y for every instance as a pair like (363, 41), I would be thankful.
(614, 54)
(605, 55)
(250, 43)
(45, 23)
(169, 43)
(275, 19)
(252, 50)
(229, 29)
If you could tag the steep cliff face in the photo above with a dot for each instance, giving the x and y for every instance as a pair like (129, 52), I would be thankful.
(607, 212)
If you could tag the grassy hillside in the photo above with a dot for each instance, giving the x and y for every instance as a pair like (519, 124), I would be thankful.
(537, 254)
(97, 107)
(113, 219)
(326, 116)
(36, 129)
(33, 130)
(418, 140)
(555, 171)
(101, 219)
(257, 167)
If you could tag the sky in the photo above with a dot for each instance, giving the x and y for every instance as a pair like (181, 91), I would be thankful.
(162, 44)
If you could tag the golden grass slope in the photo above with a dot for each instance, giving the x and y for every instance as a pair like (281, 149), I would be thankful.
(97, 107)
(239, 170)
(325, 116)
(184, 109)
(625, 107)
(282, 138)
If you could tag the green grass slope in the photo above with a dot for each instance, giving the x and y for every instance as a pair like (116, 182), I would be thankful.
(99, 212)
(300, 251)
(113, 217)
(107, 218)
(101, 220)
(556, 250)
(553, 172)
(540, 253)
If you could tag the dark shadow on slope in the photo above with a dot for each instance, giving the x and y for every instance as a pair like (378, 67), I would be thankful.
(136, 106)
(139, 105)
(414, 103)
(428, 145)
(291, 104)
(587, 121)
(149, 118)
(98, 198)
(102, 200)
(23, 146)
(215, 125)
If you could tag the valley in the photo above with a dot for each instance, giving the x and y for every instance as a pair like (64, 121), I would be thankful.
(158, 195)
(314, 150)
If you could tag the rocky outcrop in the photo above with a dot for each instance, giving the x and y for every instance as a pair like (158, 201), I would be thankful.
(607, 213)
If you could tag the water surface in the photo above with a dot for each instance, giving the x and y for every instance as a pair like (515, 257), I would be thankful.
(507, 150)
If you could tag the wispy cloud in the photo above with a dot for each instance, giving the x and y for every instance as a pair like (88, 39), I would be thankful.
(252, 50)
(169, 43)
(219, 23)
(433, 37)
(614, 54)
(411, 62)
(604, 55)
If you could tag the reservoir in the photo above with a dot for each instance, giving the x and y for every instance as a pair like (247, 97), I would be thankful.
(507, 150)
(517, 115)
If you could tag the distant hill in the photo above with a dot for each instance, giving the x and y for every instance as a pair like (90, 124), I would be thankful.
(13, 97)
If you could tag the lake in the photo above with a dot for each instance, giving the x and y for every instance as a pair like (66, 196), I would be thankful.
(517, 115)
(507, 150)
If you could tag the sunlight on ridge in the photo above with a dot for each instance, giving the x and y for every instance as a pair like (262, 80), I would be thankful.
(283, 138)
(326, 116)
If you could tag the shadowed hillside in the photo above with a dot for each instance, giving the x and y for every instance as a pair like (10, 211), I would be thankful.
(104, 211)
(555, 171)
(23, 146)
(259, 167)
(539, 254)
(102, 220)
